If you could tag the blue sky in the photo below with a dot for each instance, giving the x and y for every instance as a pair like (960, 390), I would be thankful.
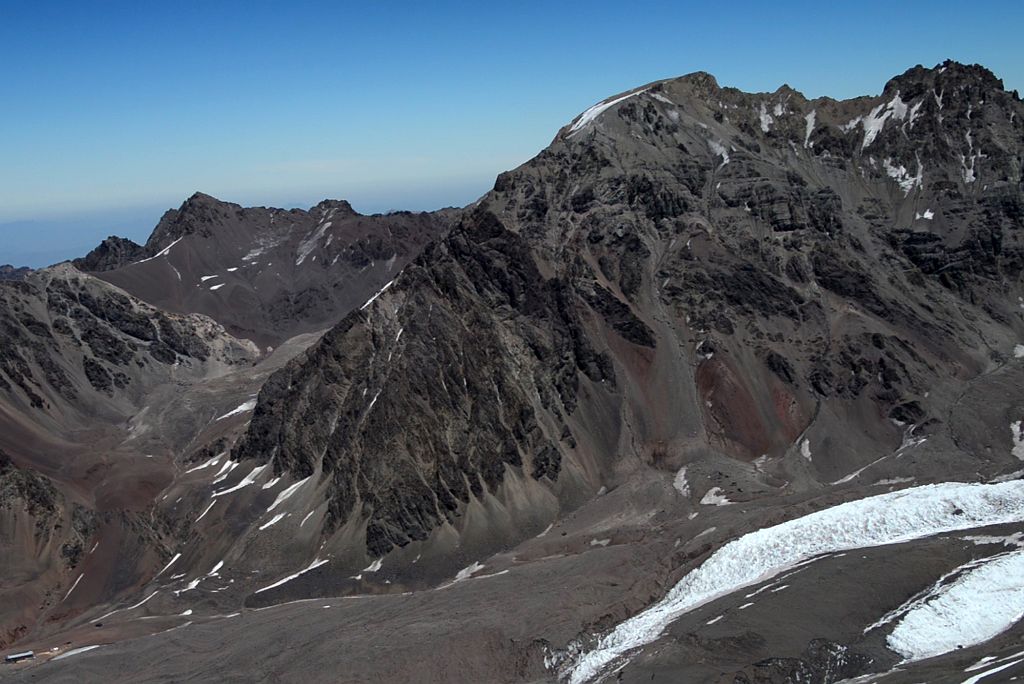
(112, 112)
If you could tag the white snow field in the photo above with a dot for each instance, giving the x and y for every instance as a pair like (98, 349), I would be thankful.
(890, 518)
(978, 605)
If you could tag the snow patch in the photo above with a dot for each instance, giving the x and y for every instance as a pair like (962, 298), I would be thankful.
(245, 481)
(851, 124)
(248, 405)
(969, 162)
(856, 473)
(373, 401)
(591, 114)
(719, 149)
(928, 215)
(226, 470)
(216, 287)
(469, 571)
(169, 564)
(277, 518)
(913, 113)
(978, 677)
(286, 494)
(879, 520)
(76, 651)
(902, 176)
(765, 118)
(131, 607)
(715, 497)
(810, 128)
(805, 449)
(374, 297)
(1017, 434)
(309, 244)
(213, 461)
(874, 122)
(977, 606)
(188, 587)
(312, 566)
(1015, 539)
(73, 587)
(892, 481)
(206, 510)
(163, 252)
(680, 483)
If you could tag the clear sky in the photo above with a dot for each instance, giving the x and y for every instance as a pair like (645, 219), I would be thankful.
(112, 112)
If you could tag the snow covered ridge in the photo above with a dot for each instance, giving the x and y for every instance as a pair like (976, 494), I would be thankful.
(595, 111)
(890, 518)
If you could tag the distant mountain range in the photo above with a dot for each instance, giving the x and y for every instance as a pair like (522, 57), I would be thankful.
(8, 272)
(718, 387)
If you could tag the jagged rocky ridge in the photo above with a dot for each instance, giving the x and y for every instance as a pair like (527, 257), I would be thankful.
(65, 336)
(265, 274)
(691, 268)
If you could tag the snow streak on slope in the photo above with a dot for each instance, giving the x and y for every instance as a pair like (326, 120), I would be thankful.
(247, 406)
(596, 111)
(286, 494)
(245, 481)
(163, 252)
(312, 566)
(76, 651)
(875, 521)
(976, 607)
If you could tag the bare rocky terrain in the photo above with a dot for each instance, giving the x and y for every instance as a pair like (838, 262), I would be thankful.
(503, 443)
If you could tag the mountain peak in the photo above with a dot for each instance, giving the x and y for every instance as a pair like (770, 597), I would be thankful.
(198, 197)
(112, 253)
(700, 81)
(339, 207)
(948, 75)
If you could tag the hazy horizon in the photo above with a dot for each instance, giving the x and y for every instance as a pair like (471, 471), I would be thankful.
(113, 116)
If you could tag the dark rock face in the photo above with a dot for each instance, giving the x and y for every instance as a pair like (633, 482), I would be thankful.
(25, 491)
(364, 405)
(774, 252)
(112, 253)
(62, 332)
(265, 274)
(824, 662)
(31, 490)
